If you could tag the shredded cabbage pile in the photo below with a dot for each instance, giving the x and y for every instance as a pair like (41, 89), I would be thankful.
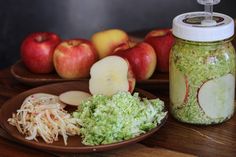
(109, 119)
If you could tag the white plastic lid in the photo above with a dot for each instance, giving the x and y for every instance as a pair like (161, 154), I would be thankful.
(191, 26)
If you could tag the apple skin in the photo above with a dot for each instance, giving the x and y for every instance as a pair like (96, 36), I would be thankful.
(37, 51)
(105, 42)
(73, 58)
(162, 41)
(131, 77)
(142, 59)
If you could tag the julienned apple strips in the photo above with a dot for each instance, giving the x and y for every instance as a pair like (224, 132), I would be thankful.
(73, 58)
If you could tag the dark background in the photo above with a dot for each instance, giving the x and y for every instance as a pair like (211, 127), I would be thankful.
(82, 18)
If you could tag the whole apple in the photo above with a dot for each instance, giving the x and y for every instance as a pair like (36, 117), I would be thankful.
(162, 41)
(105, 42)
(142, 59)
(37, 51)
(74, 58)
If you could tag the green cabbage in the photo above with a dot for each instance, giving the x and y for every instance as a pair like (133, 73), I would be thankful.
(109, 119)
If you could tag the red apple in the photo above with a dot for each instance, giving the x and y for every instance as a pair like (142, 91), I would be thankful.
(162, 41)
(37, 51)
(74, 58)
(142, 59)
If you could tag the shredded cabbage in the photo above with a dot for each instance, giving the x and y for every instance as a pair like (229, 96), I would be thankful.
(109, 119)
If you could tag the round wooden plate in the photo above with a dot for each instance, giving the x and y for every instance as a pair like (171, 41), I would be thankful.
(74, 142)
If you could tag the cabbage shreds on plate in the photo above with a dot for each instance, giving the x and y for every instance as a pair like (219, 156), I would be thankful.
(110, 119)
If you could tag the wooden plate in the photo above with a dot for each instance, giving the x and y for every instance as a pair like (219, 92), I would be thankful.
(74, 142)
(22, 74)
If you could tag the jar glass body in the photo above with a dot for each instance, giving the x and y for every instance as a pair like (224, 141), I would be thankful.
(202, 81)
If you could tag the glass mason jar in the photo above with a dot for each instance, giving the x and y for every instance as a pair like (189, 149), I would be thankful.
(202, 77)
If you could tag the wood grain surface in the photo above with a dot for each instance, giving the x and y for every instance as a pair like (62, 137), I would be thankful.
(22, 74)
(173, 139)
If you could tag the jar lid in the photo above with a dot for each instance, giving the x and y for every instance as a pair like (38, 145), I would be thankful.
(192, 26)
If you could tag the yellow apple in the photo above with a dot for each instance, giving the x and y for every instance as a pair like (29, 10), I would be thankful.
(105, 42)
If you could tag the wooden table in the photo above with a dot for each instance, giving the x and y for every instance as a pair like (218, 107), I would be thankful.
(173, 139)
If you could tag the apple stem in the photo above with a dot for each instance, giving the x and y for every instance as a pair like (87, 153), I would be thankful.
(41, 38)
(74, 43)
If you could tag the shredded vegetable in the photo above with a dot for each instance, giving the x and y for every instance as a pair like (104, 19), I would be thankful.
(44, 117)
(110, 119)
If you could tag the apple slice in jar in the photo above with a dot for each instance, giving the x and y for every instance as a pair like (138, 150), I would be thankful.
(178, 87)
(110, 75)
(74, 98)
(216, 97)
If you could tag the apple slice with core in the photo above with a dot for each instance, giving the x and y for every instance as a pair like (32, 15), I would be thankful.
(178, 87)
(74, 98)
(216, 97)
(110, 75)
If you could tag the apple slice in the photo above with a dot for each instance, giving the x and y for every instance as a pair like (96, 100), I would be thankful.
(110, 75)
(74, 98)
(178, 86)
(216, 97)
(38, 96)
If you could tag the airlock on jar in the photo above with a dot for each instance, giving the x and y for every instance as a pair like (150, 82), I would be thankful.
(202, 69)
